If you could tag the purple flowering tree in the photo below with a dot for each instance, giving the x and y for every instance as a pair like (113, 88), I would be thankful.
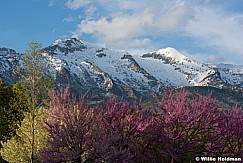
(183, 127)
(68, 125)
(179, 128)
(232, 132)
(120, 132)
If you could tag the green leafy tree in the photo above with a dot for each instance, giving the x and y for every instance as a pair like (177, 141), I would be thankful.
(19, 147)
(36, 79)
(36, 76)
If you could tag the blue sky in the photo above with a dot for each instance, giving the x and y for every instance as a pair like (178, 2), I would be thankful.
(206, 30)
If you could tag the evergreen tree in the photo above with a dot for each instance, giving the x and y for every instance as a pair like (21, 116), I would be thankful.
(5, 96)
(18, 105)
(13, 105)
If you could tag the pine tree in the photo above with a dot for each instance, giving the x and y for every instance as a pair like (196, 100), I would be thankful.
(20, 98)
(12, 108)
(18, 105)
(5, 96)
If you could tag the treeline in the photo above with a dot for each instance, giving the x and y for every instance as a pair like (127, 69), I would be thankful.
(40, 124)
(227, 96)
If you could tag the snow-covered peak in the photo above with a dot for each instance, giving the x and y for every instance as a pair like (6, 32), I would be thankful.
(170, 65)
(66, 46)
(72, 42)
(58, 41)
(92, 69)
(172, 53)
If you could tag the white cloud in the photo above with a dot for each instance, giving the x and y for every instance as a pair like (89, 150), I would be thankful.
(68, 19)
(133, 30)
(75, 4)
(216, 28)
(90, 11)
(109, 5)
(175, 17)
(127, 24)
(120, 32)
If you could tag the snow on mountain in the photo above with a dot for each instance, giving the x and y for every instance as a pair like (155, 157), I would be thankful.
(102, 67)
(8, 62)
(172, 53)
(174, 68)
(93, 70)
(7, 51)
(231, 74)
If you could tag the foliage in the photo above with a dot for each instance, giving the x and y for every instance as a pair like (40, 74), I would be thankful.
(35, 75)
(232, 132)
(37, 80)
(5, 94)
(20, 98)
(177, 129)
(78, 133)
(26, 96)
(18, 105)
(183, 127)
(5, 97)
(119, 132)
(226, 96)
(68, 127)
(18, 148)
(13, 106)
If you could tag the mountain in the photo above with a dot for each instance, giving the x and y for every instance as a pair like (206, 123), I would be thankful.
(9, 59)
(99, 72)
(231, 74)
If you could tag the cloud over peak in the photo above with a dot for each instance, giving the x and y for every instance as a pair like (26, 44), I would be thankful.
(133, 28)
(130, 24)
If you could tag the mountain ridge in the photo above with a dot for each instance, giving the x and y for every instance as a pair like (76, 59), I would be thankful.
(97, 71)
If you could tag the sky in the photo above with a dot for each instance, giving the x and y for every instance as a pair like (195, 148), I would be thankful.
(207, 30)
